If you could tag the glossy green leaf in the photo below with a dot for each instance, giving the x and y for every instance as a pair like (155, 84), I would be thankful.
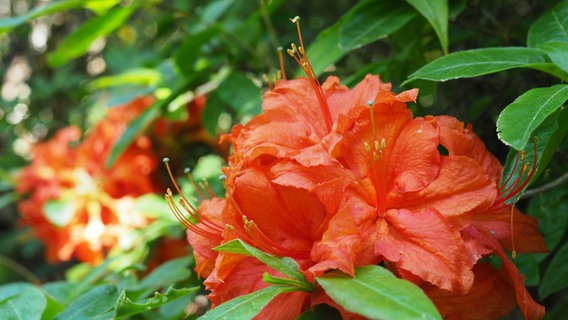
(284, 265)
(517, 121)
(436, 12)
(21, 301)
(240, 94)
(245, 307)
(6, 24)
(126, 307)
(556, 276)
(77, 43)
(478, 62)
(59, 212)
(558, 53)
(324, 50)
(546, 139)
(552, 26)
(60, 290)
(376, 293)
(372, 20)
(94, 304)
(169, 272)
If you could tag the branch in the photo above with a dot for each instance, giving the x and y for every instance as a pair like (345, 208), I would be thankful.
(530, 193)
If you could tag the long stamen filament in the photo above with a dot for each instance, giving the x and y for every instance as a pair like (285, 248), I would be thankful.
(301, 58)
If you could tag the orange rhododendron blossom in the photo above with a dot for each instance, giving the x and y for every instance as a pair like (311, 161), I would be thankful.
(364, 184)
(76, 206)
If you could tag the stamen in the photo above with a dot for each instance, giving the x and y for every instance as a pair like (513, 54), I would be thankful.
(281, 60)
(268, 83)
(301, 58)
(517, 186)
(195, 223)
(263, 242)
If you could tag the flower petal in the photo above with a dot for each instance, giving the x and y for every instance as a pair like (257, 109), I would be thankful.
(426, 245)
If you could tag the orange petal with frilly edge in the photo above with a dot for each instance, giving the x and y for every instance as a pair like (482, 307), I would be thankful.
(426, 245)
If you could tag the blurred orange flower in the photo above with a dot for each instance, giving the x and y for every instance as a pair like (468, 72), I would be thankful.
(75, 205)
(366, 184)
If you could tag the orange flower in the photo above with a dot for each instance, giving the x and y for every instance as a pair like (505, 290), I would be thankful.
(76, 206)
(365, 185)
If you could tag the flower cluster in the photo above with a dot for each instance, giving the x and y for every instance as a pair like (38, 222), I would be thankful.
(75, 205)
(337, 178)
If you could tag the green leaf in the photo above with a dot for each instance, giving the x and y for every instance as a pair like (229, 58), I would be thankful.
(556, 276)
(7, 198)
(138, 76)
(240, 94)
(59, 212)
(77, 43)
(436, 12)
(153, 206)
(372, 20)
(558, 53)
(478, 62)
(550, 27)
(517, 121)
(126, 307)
(547, 137)
(550, 209)
(21, 301)
(324, 50)
(245, 307)
(94, 304)
(59, 290)
(284, 265)
(6, 24)
(376, 293)
(211, 112)
(189, 51)
(133, 130)
(169, 272)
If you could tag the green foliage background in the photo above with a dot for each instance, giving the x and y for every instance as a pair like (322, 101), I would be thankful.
(501, 65)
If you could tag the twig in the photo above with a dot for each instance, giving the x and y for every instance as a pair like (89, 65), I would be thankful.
(532, 192)
(20, 269)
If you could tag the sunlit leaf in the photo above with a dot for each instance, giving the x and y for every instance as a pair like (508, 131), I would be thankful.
(21, 301)
(517, 121)
(96, 303)
(6, 24)
(77, 43)
(556, 276)
(245, 307)
(126, 307)
(141, 76)
(372, 20)
(550, 27)
(436, 12)
(478, 62)
(376, 293)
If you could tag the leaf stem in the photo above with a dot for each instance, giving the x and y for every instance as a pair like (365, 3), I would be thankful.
(19, 269)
